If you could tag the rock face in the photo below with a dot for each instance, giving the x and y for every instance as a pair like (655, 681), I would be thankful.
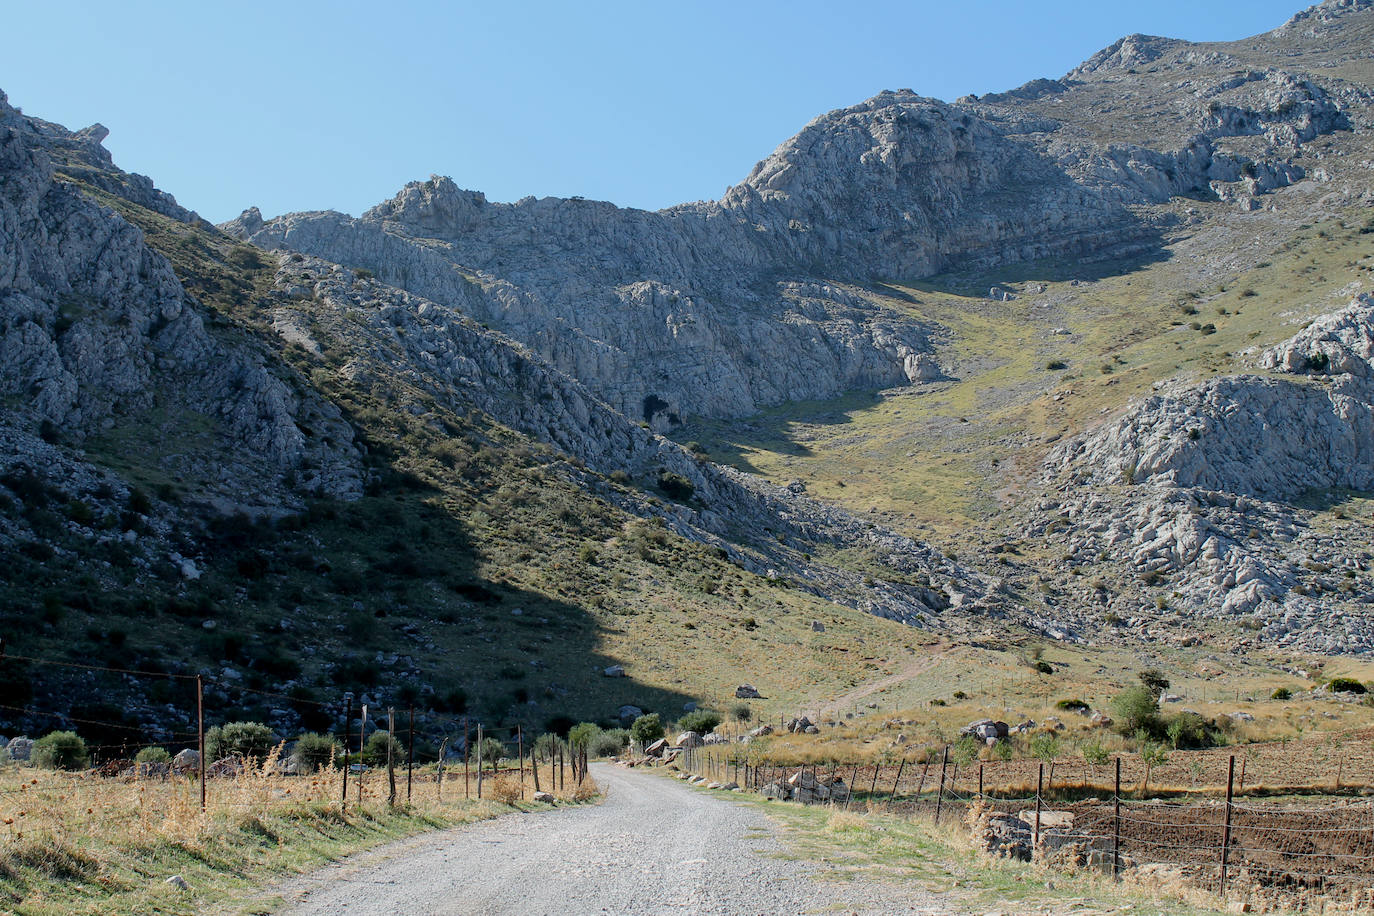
(1266, 436)
(715, 308)
(97, 334)
(1194, 485)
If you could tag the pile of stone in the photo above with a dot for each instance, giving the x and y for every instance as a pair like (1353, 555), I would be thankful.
(987, 731)
(802, 726)
(808, 789)
(1013, 836)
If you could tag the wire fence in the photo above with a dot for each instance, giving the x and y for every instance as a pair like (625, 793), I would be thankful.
(1311, 851)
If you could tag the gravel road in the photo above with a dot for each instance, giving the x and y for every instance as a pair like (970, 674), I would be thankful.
(653, 846)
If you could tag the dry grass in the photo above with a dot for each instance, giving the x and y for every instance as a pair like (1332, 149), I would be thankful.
(82, 843)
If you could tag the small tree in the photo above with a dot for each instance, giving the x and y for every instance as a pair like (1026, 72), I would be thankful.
(546, 746)
(1095, 752)
(964, 750)
(581, 735)
(314, 752)
(1152, 754)
(609, 742)
(1136, 709)
(374, 751)
(647, 729)
(60, 751)
(1045, 747)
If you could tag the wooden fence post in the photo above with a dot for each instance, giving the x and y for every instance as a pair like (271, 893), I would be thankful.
(390, 756)
(921, 786)
(1116, 823)
(467, 751)
(1226, 831)
(200, 733)
(348, 733)
(1039, 787)
(410, 754)
(940, 796)
(980, 781)
(439, 782)
(362, 737)
(520, 750)
(479, 759)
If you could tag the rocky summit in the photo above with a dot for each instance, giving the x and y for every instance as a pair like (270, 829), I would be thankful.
(1089, 362)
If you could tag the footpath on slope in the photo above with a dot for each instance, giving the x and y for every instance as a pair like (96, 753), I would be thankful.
(653, 846)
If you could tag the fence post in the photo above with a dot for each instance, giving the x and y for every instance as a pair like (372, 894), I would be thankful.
(520, 750)
(1039, 787)
(390, 756)
(921, 786)
(410, 753)
(1116, 823)
(479, 759)
(200, 733)
(467, 748)
(362, 737)
(439, 782)
(980, 781)
(893, 796)
(873, 787)
(534, 765)
(1226, 831)
(940, 796)
(348, 733)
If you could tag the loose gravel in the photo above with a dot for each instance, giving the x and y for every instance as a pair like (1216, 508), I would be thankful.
(653, 846)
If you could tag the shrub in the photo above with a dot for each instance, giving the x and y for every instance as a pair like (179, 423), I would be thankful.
(647, 729)
(741, 712)
(546, 746)
(1190, 730)
(239, 739)
(675, 486)
(701, 721)
(1346, 685)
(1055, 365)
(609, 742)
(60, 751)
(490, 751)
(1282, 693)
(153, 755)
(1095, 752)
(1154, 680)
(1136, 709)
(1074, 705)
(314, 751)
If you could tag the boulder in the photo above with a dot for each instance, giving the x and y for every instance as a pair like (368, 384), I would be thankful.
(761, 731)
(614, 671)
(544, 798)
(186, 761)
(747, 692)
(20, 749)
(1100, 720)
(817, 626)
(984, 729)
(630, 713)
(688, 739)
(657, 749)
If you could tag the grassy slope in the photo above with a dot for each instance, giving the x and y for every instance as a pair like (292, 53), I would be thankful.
(469, 522)
(941, 459)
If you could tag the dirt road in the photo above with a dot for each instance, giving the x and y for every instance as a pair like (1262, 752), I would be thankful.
(654, 846)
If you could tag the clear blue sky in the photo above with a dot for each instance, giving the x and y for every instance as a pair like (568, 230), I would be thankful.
(314, 105)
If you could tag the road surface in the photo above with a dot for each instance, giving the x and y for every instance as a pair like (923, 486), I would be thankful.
(653, 846)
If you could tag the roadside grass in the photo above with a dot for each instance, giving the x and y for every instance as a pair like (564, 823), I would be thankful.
(843, 846)
(77, 843)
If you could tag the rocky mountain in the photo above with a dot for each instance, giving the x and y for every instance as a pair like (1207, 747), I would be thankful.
(291, 429)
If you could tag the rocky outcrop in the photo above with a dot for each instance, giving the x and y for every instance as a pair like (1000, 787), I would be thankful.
(1267, 436)
(97, 336)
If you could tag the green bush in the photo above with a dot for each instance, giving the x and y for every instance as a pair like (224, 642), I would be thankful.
(60, 751)
(1188, 730)
(701, 721)
(1136, 709)
(1074, 705)
(741, 712)
(1346, 685)
(1154, 680)
(239, 739)
(1282, 693)
(675, 486)
(546, 746)
(490, 751)
(609, 742)
(581, 735)
(153, 755)
(647, 729)
(314, 751)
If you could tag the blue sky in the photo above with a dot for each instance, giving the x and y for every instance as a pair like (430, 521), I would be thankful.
(315, 105)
